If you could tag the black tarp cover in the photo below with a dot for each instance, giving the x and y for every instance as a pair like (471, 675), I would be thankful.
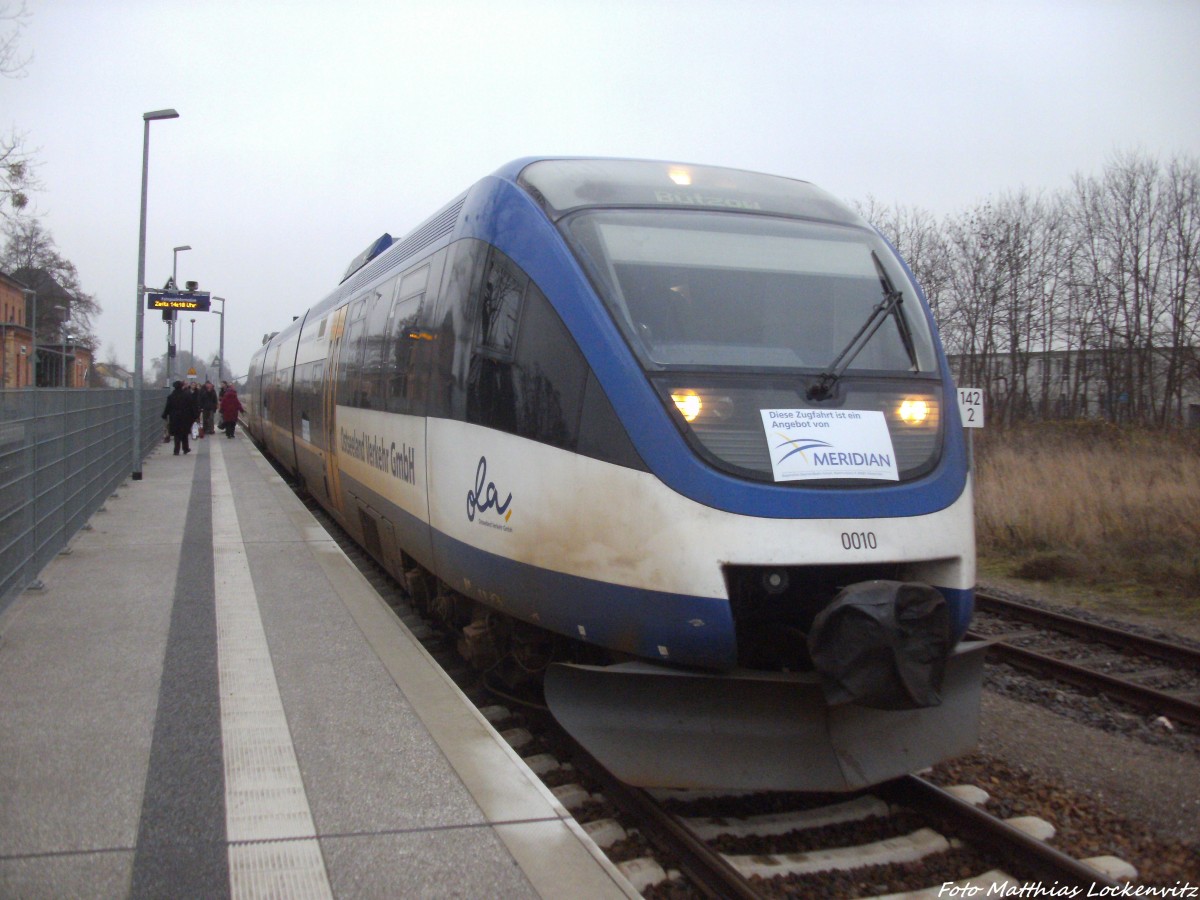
(882, 644)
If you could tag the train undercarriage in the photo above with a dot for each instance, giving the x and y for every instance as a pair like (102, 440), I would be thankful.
(747, 729)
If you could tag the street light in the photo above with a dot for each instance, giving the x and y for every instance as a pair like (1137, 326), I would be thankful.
(175, 263)
(63, 325)
(136, 435)
(221, 347)
(76, 372)
(31, 296)
(170, 316)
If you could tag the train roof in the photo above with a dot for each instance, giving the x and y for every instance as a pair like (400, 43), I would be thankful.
(564, 184)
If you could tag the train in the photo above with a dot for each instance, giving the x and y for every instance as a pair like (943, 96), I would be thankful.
(676, 443)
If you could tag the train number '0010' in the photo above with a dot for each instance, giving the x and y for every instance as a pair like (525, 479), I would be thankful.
(859, 540)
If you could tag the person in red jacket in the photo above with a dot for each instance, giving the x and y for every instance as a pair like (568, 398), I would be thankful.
(230, 407)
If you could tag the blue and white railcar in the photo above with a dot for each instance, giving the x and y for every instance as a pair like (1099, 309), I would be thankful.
(696, 423)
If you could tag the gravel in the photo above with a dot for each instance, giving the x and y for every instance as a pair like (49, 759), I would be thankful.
(1112, 781)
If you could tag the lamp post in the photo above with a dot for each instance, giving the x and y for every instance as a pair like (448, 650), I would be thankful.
(63, 325)
(64, 352)
(136, 435)
(193, 350)
(171, 314)
(32, 297)
(175, 263)
(221, 346)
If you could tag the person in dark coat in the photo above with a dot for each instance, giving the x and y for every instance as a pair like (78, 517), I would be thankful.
(208, 407)
(230, 407)
(180, 413)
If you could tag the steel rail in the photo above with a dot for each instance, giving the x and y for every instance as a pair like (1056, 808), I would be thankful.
(1114, 637)
(1026, 856)
(708, 871)
(1148, 699)
(713, 876)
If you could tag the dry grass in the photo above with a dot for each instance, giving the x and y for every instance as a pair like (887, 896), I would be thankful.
(1094, 504)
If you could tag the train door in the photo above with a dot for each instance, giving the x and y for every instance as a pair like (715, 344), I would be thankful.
(329, 391)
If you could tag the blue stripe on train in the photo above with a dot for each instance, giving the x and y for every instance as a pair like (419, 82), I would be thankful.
(504, 215)
(687, 630)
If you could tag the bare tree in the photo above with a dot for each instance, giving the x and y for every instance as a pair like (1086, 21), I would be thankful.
(918, 238)
(1182, 282)
(17, 177)
(31, 257)
(1085, 302)
(1134, 233)
(13, 17)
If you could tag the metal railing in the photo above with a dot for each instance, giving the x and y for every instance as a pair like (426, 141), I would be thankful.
(63, 452)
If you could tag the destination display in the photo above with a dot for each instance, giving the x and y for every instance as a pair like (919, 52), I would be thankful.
(198, 301)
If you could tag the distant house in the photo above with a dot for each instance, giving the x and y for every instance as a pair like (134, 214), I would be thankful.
(16, 340)
(61, 359)
(1103, 384)
(110, 375)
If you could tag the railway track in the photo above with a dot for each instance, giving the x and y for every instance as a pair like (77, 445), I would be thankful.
(907, 835)
(1155, 676)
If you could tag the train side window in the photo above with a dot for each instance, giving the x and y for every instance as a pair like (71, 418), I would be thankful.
(373, 378)
(415, 282)
(527, 375)
(500, 310)
(349, 391)
(550, 375)
(315, 377)
(404, 335)
(451, 326)
(492, 397)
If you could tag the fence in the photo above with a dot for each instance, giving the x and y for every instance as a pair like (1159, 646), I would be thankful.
(62, 454)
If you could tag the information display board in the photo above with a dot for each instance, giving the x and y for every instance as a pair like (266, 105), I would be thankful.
(195, 301)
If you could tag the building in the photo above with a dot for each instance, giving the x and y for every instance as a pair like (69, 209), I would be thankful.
(16, 340)
(62, 361)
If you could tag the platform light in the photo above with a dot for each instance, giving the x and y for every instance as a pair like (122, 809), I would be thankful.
(135, 437)
(688, 403)
(913, 411)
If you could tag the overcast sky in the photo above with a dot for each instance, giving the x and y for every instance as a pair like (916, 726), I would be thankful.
(308, 129)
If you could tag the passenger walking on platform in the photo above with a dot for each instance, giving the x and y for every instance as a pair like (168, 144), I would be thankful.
(230, 407)
(167, 430)
(208, 406)
(180, 413)
(220, 397)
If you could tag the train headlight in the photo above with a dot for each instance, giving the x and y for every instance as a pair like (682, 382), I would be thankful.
(688, 403)
(913, 411)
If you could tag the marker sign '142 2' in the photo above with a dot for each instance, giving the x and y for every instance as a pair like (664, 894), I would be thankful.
(970, 407)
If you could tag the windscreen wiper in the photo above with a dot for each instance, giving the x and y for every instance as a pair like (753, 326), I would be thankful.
(890, 305)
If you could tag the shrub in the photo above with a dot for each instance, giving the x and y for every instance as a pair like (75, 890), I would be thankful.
(1119, 504)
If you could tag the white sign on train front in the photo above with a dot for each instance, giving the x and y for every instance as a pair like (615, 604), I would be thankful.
(818, 443)
(970, 407)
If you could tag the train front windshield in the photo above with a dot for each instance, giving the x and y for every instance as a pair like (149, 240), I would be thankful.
(699, 289)
(733, 314)
(744, 294)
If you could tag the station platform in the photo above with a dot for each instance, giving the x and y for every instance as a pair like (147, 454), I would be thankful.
(206, 699)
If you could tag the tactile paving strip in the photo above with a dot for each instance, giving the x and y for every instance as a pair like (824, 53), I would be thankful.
(273, 851)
